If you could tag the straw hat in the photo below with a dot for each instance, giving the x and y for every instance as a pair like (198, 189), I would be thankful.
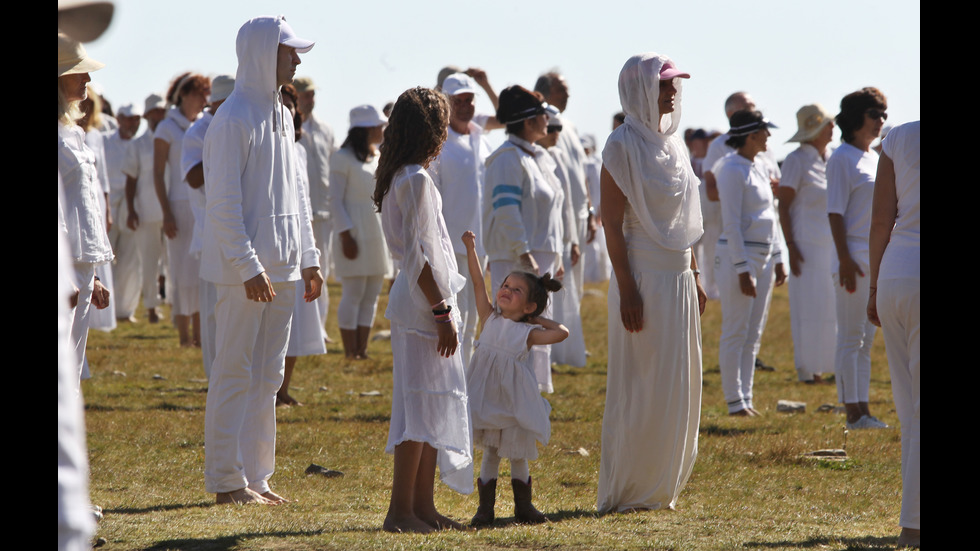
(810, 119)
(72, 58)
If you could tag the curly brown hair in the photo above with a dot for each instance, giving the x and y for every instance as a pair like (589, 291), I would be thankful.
(852, 109)
(415, 133)
(188, 82)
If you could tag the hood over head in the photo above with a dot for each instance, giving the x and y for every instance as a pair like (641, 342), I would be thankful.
(257, 47)
(639, 92)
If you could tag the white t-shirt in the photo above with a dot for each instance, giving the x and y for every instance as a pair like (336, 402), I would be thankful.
(850, 189)
(139, 165)
(805, 172)
(901, 258)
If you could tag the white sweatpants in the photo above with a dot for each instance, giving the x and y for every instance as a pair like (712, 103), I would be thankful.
(898, 310)
(742, 320)
(358, 301)
(855, 335)
(240, 417)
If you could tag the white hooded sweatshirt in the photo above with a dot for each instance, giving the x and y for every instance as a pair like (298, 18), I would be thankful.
(257, 220)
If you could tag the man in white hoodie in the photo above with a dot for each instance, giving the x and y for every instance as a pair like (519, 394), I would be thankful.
(257, 235)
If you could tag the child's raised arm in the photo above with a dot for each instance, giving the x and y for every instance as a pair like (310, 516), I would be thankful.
(552, 332)
(483, 305)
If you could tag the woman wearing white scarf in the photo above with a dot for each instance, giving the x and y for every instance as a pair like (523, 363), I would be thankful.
(652, 215)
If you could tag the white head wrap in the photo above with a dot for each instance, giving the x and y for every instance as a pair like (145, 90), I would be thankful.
(651, 166)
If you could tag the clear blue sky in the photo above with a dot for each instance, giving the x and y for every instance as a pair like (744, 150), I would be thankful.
(784, 53)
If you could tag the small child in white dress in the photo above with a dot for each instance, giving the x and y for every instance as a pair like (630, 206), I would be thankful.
(509, 413)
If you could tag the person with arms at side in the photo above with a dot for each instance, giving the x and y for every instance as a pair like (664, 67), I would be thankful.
(258, 240)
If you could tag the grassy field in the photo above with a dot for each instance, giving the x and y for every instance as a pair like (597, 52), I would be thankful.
(751, 489)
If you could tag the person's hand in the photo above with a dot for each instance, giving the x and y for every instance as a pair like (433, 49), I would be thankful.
(348, 245)
(592, 228)
(313, 282)
(469, 240)
(100, 296)
(259, 289)
(873, 307)
(133, 220)
(73, 299)
(560, 272)
(576, 254)
(479, 75)
(108, 217)
(448, 339)
(702, 296)
(746, 285)
(631, 308)
(849, 272)
(529, 263)
(795, 259)
(169, 225)
(780, 274)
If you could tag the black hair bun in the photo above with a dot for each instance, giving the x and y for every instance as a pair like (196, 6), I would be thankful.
(549, 283)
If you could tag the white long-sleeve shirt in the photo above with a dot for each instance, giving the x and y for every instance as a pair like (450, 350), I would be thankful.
(748, 216)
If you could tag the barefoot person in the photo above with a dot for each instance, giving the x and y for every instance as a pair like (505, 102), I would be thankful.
(430, 417)
(257, 233)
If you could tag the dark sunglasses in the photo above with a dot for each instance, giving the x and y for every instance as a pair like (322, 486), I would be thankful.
(877, 113)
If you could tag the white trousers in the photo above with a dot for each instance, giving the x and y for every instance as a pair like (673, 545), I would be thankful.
(323, 235)
(149, 242)
(126, 267)
(541, 354)
(855, 335)
(742, 320)
(898, 310)
(185, 269)
(85, 279)
(358, 301)
(705, 250)
(468, 314)
(240, 418)
(208, 293)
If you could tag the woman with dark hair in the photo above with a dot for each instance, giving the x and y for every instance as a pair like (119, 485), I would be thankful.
(430, 417)
(851, 174)
(802, 196)
(522, 211)
(748, 257)
(652, 217)
(81, 218)
(188, 95)
(361, 261)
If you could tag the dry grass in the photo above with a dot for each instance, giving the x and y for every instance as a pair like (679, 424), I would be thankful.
(750, 488)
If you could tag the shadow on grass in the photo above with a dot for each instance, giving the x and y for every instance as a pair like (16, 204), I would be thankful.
(157, 508)
(363, 418)
(223, 542)
(853, 544)
(140, 337)
(715, 430)
(553, 516)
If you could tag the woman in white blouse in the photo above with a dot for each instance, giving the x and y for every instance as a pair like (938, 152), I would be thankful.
(850, 187)
(361, 261)
(522, 206)
(747, 257)
(802, 213)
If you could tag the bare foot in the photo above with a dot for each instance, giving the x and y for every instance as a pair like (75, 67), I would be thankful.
(152, 316)
(441, 522)
(410, 524)
(274, 497)
(241, 497)
(754, 411)
(742, 413)
(909, 538)
(284, 399)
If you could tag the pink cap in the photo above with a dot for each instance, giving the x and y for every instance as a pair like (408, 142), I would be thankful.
(668, 71)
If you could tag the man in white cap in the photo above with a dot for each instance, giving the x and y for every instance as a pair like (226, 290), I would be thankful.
(318, 139)
(192, 167)
(125, 272)
(458, 174)
(571, 351)
(258, 241)
(144, 217)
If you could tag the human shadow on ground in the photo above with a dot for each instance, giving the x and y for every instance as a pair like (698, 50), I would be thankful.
(853, 544)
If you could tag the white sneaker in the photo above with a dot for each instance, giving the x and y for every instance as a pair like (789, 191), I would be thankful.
(867, 422)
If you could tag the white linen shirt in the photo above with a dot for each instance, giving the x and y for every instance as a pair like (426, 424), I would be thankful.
(318, 140)
(805, 172)
(459, 174)
(139, 165)
(82, 219)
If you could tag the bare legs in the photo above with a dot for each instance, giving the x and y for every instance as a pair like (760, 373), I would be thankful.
(412, 508)
(356, 342)
(183, 324)
(282, 397)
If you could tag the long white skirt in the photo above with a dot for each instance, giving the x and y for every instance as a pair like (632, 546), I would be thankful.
(429, 404)
(812, 310)
(653, 386)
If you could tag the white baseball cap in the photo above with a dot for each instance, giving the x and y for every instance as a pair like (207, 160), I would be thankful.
(458, 83)
(366, 116)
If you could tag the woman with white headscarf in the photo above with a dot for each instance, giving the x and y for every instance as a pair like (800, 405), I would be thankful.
(652, 215)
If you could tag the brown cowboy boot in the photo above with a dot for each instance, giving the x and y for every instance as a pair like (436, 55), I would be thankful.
(488, 496)
(524, 511)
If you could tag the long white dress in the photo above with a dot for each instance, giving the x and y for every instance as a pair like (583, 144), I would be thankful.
(653, 385)
(509, 412)
(429, 400)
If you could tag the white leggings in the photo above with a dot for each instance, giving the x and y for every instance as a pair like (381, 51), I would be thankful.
(358, 301)
(519, 468)
(854, 337)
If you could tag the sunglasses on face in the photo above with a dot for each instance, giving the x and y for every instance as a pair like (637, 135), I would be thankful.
(877, 113)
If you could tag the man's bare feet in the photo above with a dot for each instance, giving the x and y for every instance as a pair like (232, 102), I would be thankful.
(274, 497)
(909, 538)
(411, 524)
(242, 497)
